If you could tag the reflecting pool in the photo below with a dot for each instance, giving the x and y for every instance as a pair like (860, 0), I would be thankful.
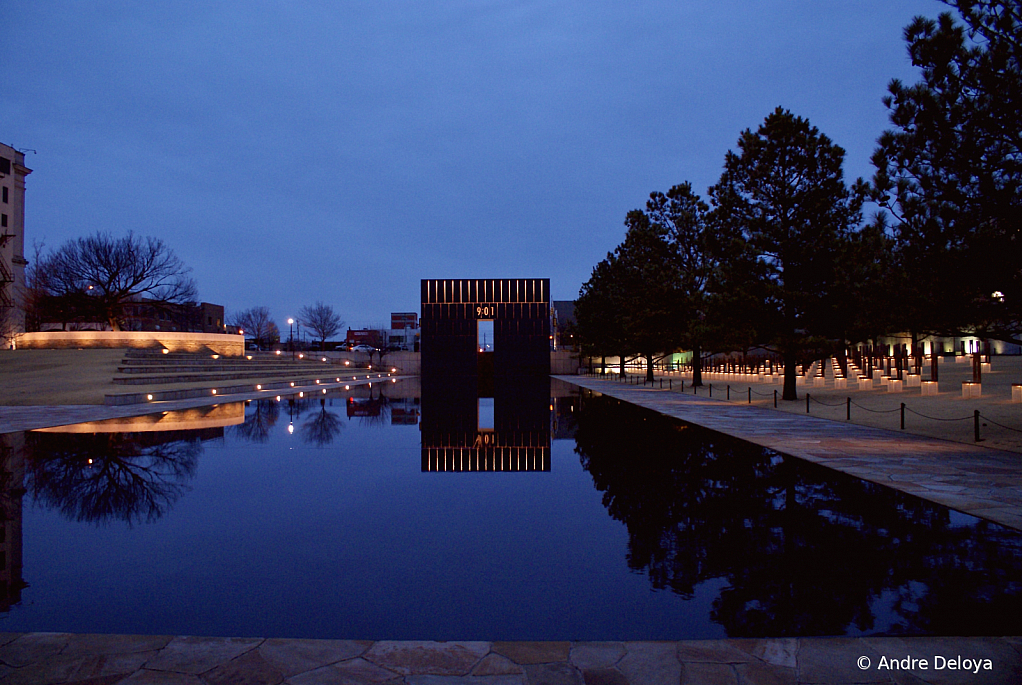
(538, 513)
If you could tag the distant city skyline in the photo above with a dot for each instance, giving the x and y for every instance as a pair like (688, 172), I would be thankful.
(344, 152)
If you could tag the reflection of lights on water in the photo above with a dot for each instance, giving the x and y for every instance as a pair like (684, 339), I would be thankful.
(290, 428)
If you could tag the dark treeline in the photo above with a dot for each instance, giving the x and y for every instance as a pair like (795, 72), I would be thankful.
(803, 550)
(781, 259)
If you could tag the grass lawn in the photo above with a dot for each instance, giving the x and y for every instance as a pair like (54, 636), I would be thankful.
(51, 377)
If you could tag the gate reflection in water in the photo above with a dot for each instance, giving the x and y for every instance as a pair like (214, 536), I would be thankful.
(453, 439)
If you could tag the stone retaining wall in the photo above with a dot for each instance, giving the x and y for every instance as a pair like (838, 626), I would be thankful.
(220, 343)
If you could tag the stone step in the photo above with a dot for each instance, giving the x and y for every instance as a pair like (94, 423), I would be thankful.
(215, 377)
(226, 390)
(218, 366)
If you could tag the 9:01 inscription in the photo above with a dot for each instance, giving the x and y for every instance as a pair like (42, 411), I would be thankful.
(486, 310)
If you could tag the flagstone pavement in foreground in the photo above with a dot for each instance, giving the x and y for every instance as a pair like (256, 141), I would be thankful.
(45, 658)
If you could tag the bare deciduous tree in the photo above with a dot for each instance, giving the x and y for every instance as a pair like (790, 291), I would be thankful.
(105, 275)
(321, 319)
(258, 325)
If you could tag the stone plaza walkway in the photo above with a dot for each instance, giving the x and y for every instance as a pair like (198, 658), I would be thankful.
(975, 480)
(53, 658)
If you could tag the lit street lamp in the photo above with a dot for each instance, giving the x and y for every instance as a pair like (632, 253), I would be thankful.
(291, 337)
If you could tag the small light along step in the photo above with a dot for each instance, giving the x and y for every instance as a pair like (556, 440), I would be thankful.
(162, 367)
(299, 385)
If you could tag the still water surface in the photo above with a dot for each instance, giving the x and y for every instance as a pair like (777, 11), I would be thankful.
(329, 520)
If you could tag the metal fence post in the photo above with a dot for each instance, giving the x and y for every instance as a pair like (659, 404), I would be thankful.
(975, 423)
(848, 409)
(902, 416)
(775, 398)
(807, 403)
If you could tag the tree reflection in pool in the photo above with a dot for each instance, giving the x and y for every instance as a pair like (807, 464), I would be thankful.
(804, 550)
(132, 477)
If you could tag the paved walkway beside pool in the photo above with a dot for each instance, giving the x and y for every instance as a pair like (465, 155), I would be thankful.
(30, 418)
(45, 658)
(983, 482)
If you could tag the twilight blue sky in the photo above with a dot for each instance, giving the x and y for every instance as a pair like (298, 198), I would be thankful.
(341, 151)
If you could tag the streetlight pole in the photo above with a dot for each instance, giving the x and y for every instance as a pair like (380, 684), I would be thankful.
(291, 337)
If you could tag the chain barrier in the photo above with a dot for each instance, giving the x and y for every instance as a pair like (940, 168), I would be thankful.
(875, 411)
(827, 404)
(848, 403)
(987, 418)
(937, 418)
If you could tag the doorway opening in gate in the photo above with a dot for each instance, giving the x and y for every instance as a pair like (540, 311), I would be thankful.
(484, 365)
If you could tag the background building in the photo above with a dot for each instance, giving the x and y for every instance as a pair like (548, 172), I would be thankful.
(145, 315)
(562, 323)
(404, 330)
(12, 241)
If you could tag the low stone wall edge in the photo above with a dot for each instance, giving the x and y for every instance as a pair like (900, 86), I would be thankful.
(218, 343)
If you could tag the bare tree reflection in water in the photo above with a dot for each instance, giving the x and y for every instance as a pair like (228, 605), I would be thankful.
(801, 550)
(322, 428)
(102, 477)
(258, 422)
